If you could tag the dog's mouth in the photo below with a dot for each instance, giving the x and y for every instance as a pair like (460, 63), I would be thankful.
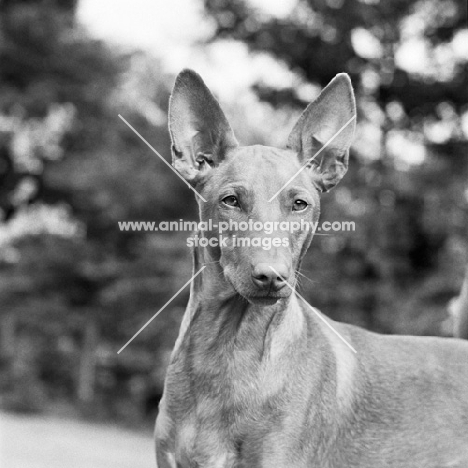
(267, 299)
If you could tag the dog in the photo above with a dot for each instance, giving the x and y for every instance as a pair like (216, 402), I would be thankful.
(260, 379)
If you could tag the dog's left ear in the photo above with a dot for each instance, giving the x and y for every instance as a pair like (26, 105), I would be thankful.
(199, 130)
(330, 118)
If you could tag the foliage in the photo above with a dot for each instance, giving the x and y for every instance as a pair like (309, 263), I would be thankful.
(75, 288)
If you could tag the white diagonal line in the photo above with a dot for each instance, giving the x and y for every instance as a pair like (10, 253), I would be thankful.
(312, 158)
(161, 309)
(317, 313)
(163, 160)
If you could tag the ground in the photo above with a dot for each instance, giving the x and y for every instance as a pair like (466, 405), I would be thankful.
(44, 442)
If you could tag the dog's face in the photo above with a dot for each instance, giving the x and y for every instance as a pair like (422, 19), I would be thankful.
(263, 202)
(256, 232)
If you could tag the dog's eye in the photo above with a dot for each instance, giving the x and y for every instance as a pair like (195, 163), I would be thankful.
(300, 205)
(231, 201)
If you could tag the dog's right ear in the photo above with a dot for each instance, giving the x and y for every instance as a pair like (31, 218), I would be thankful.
(199, 130)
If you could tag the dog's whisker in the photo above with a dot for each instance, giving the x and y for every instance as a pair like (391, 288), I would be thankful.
(306, 277)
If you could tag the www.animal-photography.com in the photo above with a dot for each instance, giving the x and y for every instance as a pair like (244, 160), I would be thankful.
(233, 234)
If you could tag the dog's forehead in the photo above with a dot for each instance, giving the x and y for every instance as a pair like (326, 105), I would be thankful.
(256, 163)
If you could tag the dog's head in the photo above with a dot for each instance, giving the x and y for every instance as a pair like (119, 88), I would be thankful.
(263, 201)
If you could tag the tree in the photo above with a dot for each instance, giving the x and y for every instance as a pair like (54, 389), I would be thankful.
(72, 281)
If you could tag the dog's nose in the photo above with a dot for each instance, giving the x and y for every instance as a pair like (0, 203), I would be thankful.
(270, 276)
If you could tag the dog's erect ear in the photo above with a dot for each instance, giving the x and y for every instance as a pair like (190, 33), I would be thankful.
(199, 130)
(332, 116)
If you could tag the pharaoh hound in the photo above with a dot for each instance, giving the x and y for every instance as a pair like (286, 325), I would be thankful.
(260, 379)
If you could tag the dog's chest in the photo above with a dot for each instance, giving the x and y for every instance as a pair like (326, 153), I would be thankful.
(224, 415)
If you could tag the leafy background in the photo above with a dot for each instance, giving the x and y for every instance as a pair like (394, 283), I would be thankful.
(74, 289)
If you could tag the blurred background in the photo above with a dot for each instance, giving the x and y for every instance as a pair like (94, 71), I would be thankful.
(74, 289)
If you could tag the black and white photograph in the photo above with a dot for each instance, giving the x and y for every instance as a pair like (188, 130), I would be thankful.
(233, 234)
